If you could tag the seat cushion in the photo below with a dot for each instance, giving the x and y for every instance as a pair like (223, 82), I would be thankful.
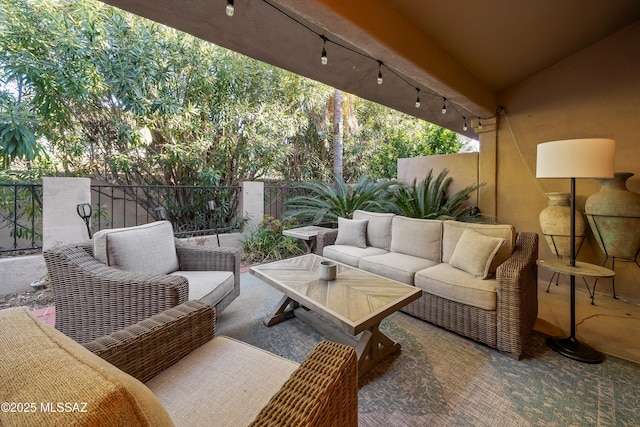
(223, 382)
(452, 231)
(421, 238)
(395, 266)
(40, 364)
(350, 255)
(454, 284)
(208, 287)
(352, 232)
(148, 248)
(378, 228)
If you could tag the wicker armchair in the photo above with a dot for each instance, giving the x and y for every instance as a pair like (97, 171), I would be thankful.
(177, 357)
(93, 299)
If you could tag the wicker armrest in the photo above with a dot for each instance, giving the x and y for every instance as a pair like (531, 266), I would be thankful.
(325, 238)
(323, 391)
(517, 307)
(93, 299)
(152, 345)
(207, 258)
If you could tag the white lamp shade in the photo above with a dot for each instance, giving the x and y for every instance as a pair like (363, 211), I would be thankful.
(576, 158)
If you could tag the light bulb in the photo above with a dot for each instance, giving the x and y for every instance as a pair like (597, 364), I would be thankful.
(324, 59)
(444, 106)
(417, 98)
(479, 124)
(379, 72)
(230, 9)
(464, 127)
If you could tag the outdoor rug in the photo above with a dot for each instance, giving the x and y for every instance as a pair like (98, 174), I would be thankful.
(442, 379)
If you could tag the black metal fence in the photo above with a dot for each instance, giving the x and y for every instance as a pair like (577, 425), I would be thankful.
(193, 210)
(20, 217)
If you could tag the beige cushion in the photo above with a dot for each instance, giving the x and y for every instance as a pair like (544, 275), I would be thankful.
(395, 266)
(474, 253)
(208, 286)
(448, 282)
(224, 383)
(350, 255)
(352, 232)
(421, 238)
(378, 228)
(452, 230)
(40, 364)
(148, 248)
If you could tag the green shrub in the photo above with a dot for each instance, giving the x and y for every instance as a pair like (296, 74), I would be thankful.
(266, 242)
(325, 202)
(428, 200)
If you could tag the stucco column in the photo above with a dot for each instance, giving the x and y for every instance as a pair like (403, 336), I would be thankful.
(487, 131)
(252, 203)
(61, 223)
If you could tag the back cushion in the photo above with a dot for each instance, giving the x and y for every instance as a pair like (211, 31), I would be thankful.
(418, 237)
(148, 248)
(452, 231)
(378, 228)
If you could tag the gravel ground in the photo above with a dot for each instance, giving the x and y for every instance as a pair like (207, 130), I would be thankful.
(34, 299)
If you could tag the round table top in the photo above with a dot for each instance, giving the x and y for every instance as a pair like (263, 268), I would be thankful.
(580, 269)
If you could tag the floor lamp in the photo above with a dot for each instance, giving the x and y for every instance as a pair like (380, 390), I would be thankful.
(575, 158)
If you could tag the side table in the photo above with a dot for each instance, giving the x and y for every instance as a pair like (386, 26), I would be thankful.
(570, 346)
(308, 234)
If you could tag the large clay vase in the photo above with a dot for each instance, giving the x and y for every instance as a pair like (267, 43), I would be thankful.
(555, 222)
(614, 217)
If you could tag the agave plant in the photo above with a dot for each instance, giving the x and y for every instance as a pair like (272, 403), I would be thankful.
(428, 199)
(324, 202)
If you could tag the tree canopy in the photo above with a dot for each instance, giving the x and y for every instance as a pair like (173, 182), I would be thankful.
(87, 89)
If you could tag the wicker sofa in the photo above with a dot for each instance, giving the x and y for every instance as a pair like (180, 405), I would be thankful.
(478, 280)
(191, 378)
(125, 275)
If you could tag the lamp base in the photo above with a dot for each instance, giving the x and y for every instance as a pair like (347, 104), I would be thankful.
(572, 348)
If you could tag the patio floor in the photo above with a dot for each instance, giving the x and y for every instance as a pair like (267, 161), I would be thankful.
(610, 325)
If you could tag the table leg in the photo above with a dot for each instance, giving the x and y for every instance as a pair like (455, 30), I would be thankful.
(281, 312)
(372, 347)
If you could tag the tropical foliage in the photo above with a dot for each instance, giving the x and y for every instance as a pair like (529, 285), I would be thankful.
(267, 243)
(323, 202)
(87, 89)
(428, 199)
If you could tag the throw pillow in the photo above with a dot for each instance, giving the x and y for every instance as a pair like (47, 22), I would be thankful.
(474, 253)
(352, 232)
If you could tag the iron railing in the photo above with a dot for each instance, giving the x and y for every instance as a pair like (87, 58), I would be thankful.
(193, 210)
(113, 206)
(20, 217)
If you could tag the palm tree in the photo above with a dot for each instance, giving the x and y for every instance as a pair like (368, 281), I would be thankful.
(325, 202)
(428, 200)
(338, 133)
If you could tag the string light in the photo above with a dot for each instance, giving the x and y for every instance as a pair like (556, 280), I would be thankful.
(230, 10)
(324, 59)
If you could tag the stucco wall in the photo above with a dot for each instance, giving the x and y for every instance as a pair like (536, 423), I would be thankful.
(595, 93)
(463, 169)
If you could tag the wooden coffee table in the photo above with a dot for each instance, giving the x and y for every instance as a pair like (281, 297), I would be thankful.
(348, 309)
